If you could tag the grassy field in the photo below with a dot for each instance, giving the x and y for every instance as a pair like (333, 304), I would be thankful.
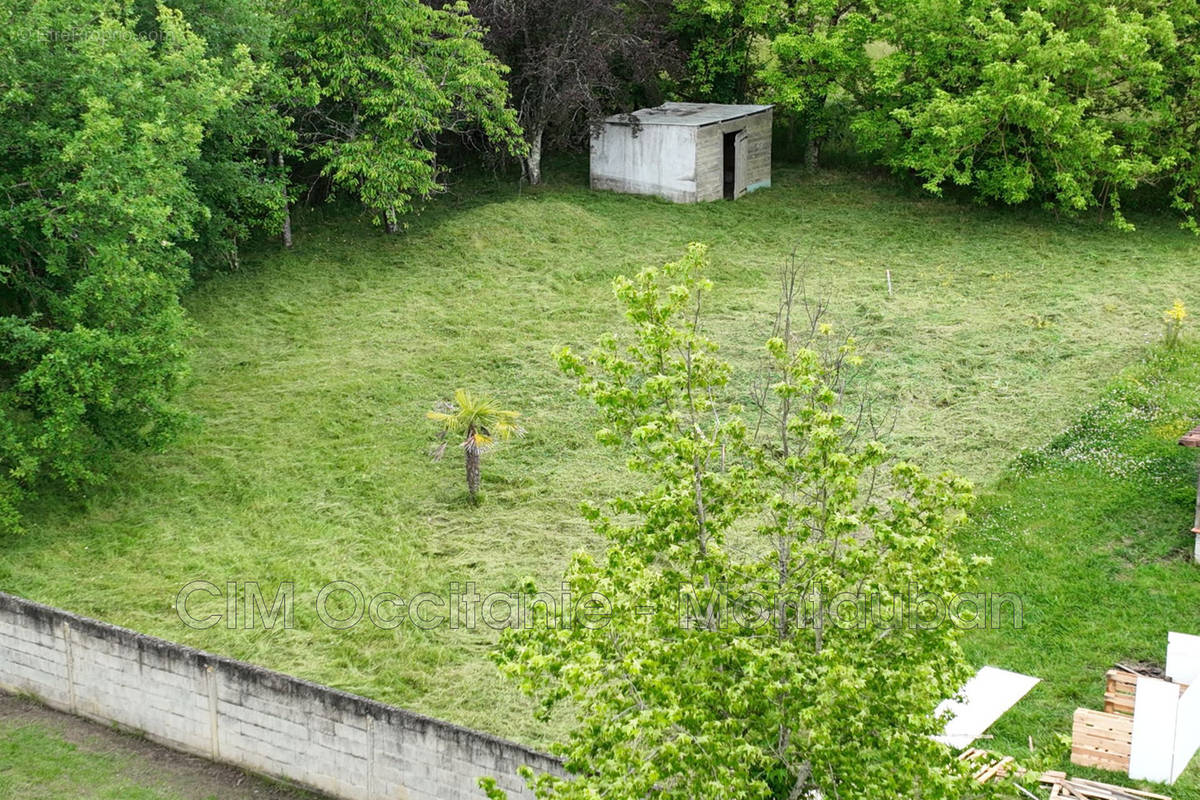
(1091, 531)
(313, 370)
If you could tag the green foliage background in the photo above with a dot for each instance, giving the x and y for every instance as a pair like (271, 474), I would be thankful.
(139, 151)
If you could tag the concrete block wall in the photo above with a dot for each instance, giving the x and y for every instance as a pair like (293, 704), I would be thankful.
(237, 713)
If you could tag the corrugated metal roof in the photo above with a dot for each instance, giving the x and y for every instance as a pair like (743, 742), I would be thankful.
(688, 114)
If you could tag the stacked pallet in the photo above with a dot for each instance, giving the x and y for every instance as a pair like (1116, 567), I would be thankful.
(1063, 787)
(1102, 740)
(1120, 687)
(1120, 690)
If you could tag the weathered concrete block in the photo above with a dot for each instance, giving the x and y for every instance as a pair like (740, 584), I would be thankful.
(316, 736)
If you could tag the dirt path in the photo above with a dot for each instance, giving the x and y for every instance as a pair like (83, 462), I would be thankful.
(46, 754)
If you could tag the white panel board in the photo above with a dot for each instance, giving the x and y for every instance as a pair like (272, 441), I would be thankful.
(1155, 708)
(1187, 731)
(1183, 657)
(985, 697)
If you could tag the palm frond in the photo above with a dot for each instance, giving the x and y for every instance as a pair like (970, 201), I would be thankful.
(480, 443)
(507, 429)
(470, 412)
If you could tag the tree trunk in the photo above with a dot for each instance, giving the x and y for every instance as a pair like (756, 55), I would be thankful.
(472, 456)
(391, 220)
(812, 155)
(286, 232)
(533, 162)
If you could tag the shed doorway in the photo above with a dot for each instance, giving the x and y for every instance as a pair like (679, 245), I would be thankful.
(733, 164)
(729, 165)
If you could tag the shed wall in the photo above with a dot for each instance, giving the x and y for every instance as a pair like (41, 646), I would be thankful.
(709, 155)
(659, 160)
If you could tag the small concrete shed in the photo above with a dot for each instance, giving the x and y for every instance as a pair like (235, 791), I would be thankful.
(684, 152)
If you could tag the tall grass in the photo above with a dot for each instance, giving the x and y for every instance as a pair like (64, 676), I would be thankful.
(314, 369)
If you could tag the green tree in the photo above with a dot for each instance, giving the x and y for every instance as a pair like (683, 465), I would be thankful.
(738, 656)
(808, 57)
(387, 77)
(98, 126)
(1069, 105)
(480, 424)
(240, 175)
(1066, 105)
(1179, 125)
(819, 61)
(718, 46)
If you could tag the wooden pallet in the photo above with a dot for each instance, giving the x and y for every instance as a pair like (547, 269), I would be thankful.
(1119, 690)
(1063, 787)
(989, 766)
(1101, 739)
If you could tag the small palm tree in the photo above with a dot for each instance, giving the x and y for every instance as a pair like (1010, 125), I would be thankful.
(481, 425)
